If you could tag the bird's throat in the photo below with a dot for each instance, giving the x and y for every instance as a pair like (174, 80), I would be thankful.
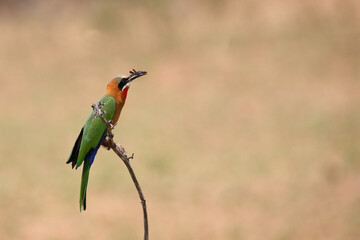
(125, 91)
(120, 101)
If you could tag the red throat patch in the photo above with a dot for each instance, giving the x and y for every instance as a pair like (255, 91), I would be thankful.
(125, 91)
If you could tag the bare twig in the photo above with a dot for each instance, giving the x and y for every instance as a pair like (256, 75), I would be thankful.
(120, 151)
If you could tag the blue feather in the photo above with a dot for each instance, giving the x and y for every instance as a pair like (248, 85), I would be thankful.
(92, 157)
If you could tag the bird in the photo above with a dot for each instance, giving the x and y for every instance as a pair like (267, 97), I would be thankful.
(93, 132)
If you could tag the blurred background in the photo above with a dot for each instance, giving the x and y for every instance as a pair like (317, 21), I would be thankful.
(246, 127)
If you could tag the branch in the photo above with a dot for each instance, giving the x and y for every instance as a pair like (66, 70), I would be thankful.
(120, 151)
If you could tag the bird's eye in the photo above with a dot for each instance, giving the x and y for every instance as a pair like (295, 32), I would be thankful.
(122, 83)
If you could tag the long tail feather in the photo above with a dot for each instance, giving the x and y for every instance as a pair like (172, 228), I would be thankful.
(84, 183)
(88, 161)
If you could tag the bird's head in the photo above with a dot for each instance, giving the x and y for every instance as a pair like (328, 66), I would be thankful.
(119, 86)
(124, 81)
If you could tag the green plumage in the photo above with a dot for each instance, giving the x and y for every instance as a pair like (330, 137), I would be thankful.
(89, 142)
(95, 127)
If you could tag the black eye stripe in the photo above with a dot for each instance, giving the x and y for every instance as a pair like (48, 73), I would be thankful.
(122, 83)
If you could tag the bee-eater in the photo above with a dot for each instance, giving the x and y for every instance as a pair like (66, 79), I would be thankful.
(94, 130)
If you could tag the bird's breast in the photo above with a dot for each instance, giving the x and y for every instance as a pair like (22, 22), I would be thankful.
(119, 101)
(119, 96)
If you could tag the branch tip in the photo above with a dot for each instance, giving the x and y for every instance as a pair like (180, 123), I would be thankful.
(131, 157)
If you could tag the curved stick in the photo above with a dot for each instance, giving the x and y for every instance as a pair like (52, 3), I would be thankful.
(120, 151)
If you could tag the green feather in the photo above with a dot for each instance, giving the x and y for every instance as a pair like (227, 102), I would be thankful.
(93, 131)
(84, 182)
(95, 127)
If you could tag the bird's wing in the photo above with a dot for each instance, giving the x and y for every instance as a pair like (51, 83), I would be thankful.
(75, 151)
(93, 135)
(94, 129)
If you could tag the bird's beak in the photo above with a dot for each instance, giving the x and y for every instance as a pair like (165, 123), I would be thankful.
(134, 75)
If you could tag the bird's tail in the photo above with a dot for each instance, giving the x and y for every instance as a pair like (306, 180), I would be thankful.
(84, 183)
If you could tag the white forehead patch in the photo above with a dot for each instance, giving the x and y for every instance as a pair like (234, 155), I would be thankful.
(120, 76)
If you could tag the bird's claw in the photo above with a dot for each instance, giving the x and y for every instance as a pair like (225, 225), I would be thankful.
(112, 126)
(106, 143)
(109, 135)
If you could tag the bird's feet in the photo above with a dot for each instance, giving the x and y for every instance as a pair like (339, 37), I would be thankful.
(112, 126)
(106, 143)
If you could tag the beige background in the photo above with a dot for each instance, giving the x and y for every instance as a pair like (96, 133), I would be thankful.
(247, 126)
